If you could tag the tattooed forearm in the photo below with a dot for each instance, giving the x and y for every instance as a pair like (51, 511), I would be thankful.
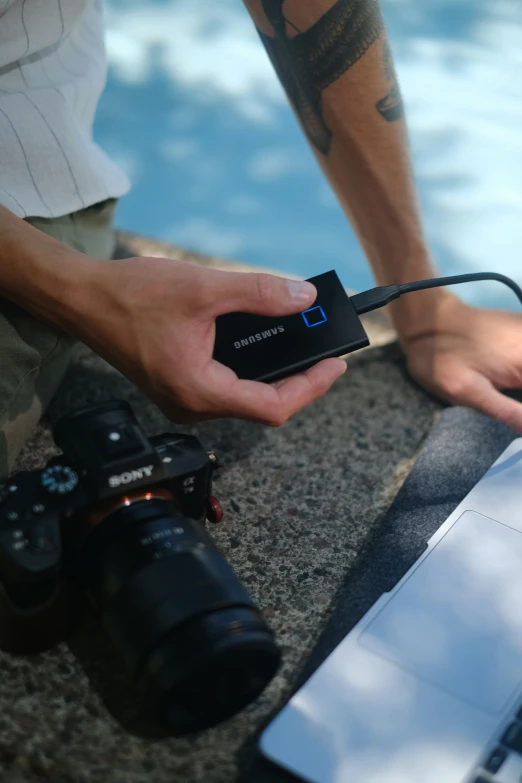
(390, 107)
(307, 63)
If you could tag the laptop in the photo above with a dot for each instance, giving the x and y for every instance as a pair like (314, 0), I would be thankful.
(427, 687)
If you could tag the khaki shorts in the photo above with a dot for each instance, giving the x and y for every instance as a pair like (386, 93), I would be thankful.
(34, 356)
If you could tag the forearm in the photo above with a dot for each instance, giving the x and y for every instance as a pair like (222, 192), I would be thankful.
(334, 61)
(40, 274)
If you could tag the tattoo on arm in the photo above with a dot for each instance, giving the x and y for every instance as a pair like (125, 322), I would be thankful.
(310, 61)
(391, 106)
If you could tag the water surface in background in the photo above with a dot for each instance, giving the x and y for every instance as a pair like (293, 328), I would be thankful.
(194, 113)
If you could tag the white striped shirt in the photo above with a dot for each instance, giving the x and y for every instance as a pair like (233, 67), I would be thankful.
(52, 73)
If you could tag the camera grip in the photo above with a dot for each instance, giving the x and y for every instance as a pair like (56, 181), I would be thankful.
(34, 630)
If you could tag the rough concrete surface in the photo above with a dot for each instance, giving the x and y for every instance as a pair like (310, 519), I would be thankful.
(299, 501)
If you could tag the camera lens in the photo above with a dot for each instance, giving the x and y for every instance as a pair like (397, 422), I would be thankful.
(210, 669)
(197, 646)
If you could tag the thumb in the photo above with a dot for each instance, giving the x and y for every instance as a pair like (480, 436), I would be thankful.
(262, 294)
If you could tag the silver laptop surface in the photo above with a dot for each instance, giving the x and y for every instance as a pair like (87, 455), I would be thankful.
(427, 688)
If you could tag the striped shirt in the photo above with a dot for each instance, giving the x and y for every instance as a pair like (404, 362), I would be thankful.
(52, 72)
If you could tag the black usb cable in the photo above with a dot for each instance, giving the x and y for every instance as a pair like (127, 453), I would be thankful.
(267, 348)
(383, 295)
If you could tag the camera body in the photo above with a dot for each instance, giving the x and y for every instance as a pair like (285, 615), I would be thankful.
(119, 518)
(46, 515)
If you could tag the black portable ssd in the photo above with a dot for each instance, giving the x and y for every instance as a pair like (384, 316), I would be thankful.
(263, 348)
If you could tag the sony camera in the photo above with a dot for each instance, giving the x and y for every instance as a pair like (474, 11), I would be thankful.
(120, 518)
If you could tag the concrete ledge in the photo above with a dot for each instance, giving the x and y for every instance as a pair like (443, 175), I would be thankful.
(300, 503)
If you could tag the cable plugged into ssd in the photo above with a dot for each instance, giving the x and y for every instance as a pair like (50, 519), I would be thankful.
(263, 348)
(383, 295)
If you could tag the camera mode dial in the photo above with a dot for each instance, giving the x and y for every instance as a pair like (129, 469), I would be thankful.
(59, 479)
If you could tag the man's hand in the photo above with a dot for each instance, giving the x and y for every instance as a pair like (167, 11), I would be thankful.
(154, 320)
(469, 357)
(335, 63)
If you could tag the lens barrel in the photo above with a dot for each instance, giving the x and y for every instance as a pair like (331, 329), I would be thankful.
(195, 643)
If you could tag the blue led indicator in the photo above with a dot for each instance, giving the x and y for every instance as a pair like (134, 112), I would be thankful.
(314, 316)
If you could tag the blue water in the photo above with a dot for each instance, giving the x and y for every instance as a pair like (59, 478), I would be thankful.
(195, 115)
